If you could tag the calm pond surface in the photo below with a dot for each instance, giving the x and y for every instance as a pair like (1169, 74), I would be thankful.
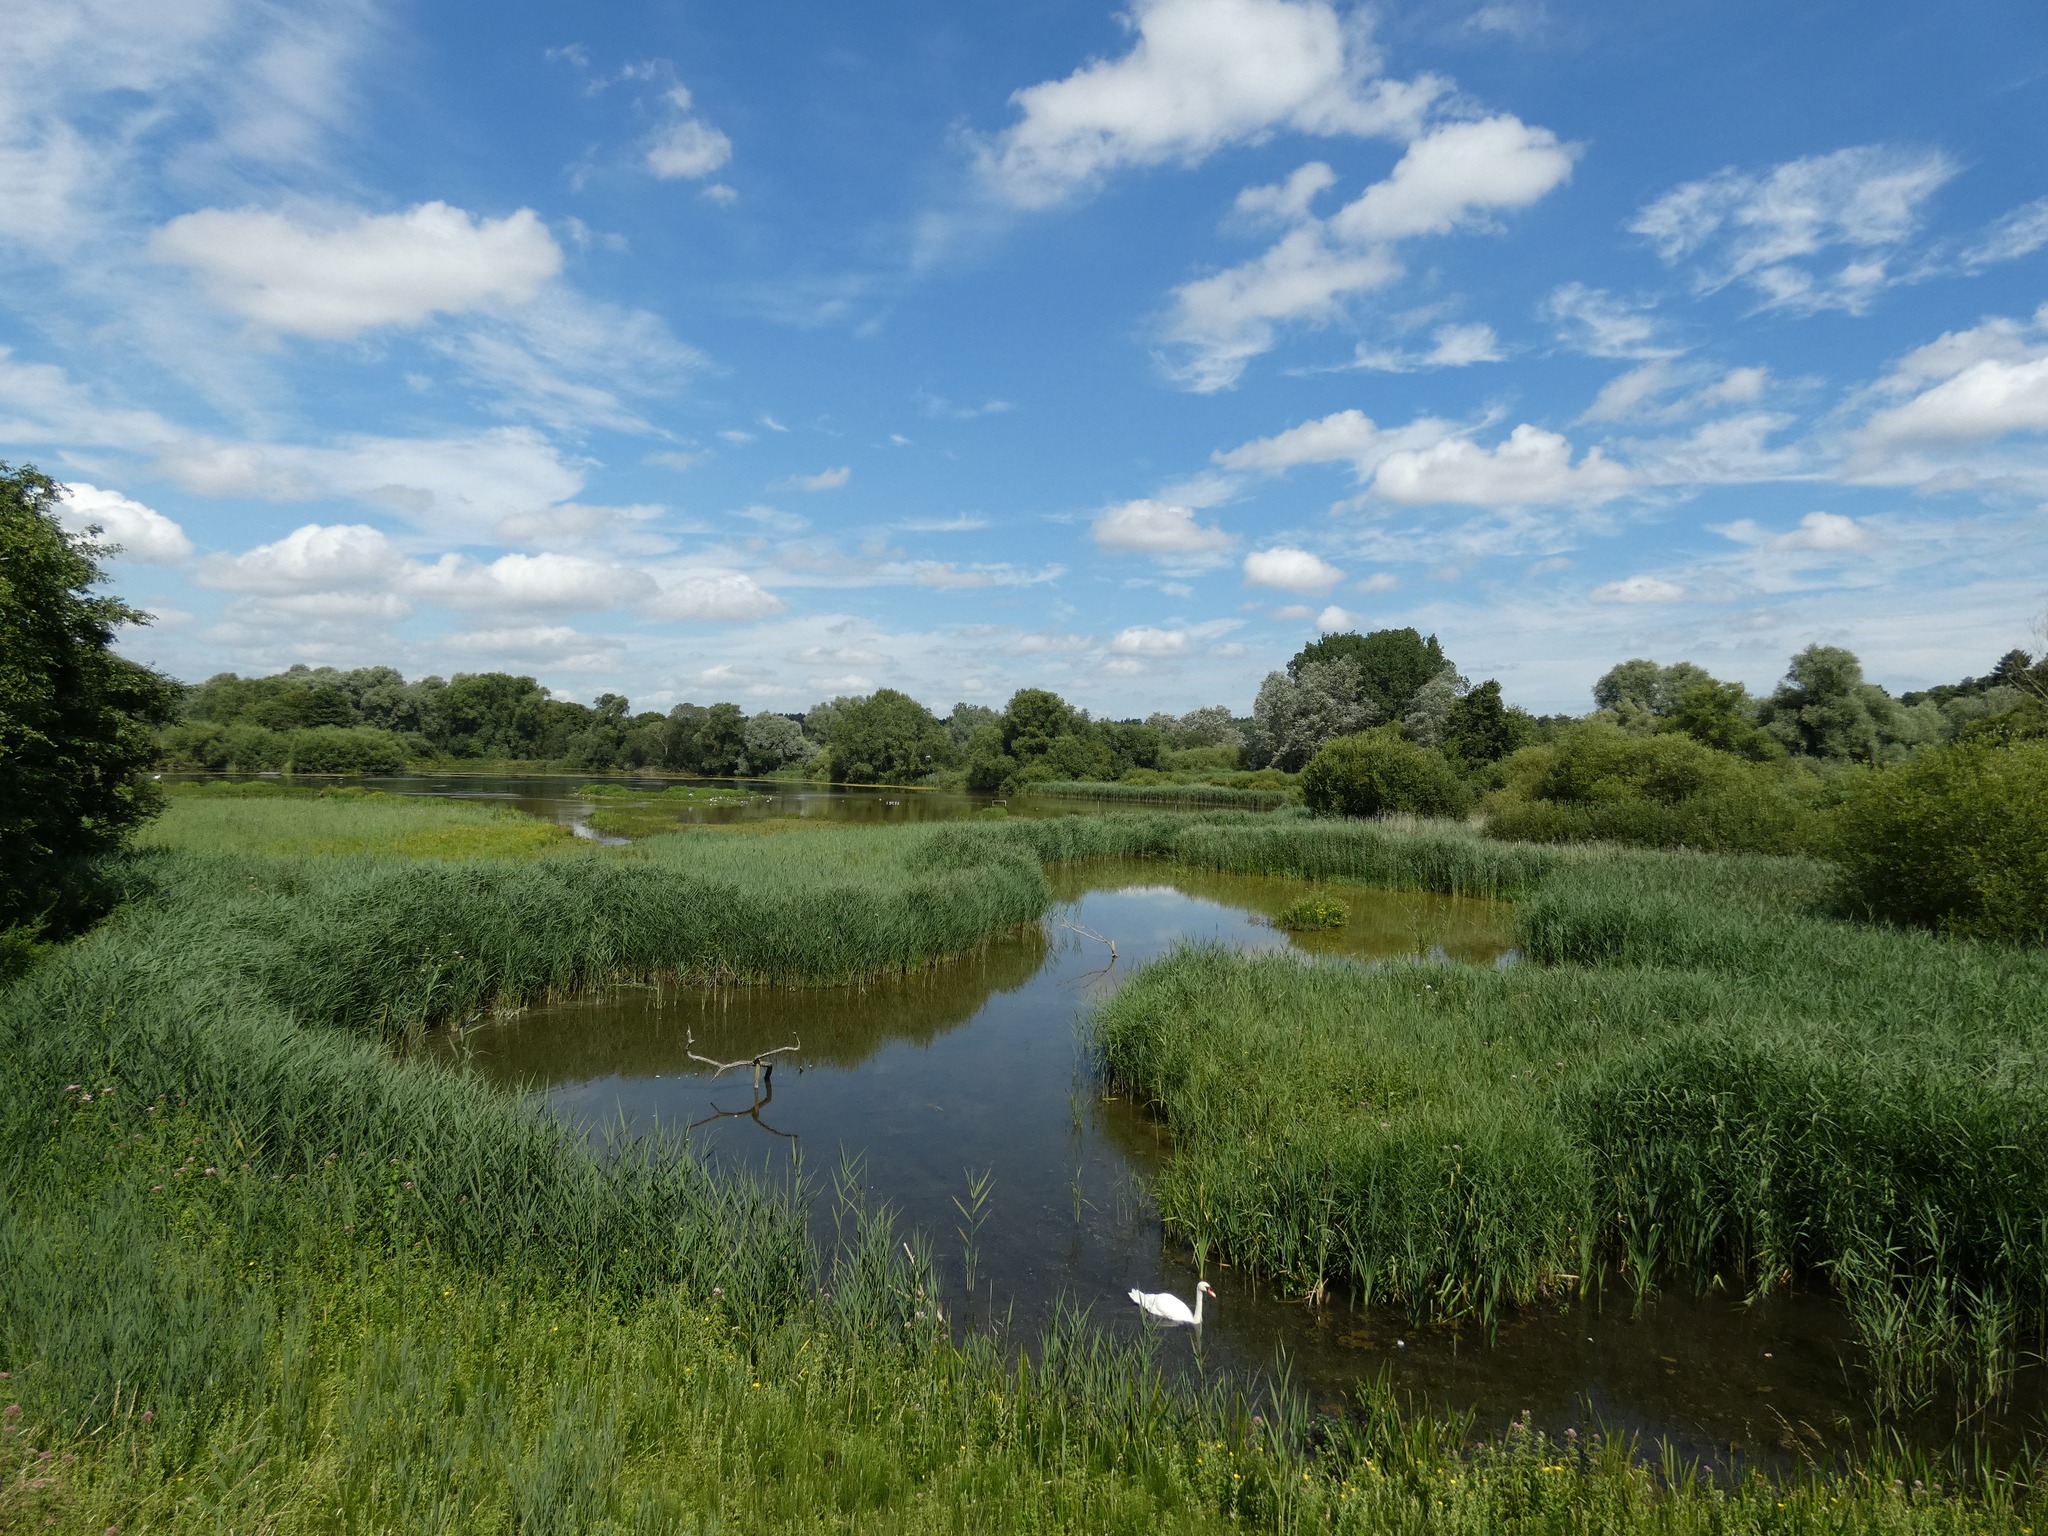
(981, 1065)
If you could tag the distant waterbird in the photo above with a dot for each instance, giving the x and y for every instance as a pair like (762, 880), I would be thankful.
(1169, 1308)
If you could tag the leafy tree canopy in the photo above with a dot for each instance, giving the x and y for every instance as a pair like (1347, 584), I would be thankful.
(75, 718)
(1393, 664)
(886, 738)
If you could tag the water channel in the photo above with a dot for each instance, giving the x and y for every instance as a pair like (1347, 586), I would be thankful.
(980, 1067)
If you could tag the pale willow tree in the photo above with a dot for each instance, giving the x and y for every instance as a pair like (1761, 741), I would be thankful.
(1295, 714)
(773, 741)
(1428, 715)
(1211, 726)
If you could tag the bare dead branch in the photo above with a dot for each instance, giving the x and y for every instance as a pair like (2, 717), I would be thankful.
(1090, 933)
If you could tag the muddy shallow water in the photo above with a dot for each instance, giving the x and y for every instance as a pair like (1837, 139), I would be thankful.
(980, 1066)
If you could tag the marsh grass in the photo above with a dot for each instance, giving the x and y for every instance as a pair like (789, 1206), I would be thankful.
(1191, 796)
(329, 824)
(1711, 1083)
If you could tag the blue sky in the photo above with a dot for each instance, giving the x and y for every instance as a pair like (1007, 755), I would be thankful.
(773, 352)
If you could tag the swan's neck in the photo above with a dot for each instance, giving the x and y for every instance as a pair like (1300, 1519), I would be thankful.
(1198, 1306)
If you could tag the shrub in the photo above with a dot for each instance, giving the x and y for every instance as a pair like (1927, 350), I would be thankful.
(346, 749)
(1955, 839)
(1600, 783)
(1381, 772)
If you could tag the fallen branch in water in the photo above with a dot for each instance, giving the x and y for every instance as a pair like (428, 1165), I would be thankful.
(1090, 933)
(764, 1069)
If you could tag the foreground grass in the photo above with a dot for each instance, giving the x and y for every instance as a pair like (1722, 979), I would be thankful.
(258, 1273)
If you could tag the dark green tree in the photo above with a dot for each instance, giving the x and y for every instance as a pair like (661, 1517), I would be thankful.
(886, 738)
(1482, 729)
(75, 719)
(1392, 663)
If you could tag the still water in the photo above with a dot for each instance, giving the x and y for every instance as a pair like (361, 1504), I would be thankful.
(980, 1067)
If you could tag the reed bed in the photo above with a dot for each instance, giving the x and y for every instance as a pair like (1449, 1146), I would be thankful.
(1191, 796)
(1712, 1083)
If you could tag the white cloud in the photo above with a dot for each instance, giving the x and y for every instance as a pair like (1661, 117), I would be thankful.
(1456, 346)
(1333, 619)
(824, 480)
(1986, 400)
(1290, 570)
(351, 271)
(450, 487)
(1594, 321)
(1222, 322)
(688, 148)
(1458, 175)
(1141, 640)
(1343, 437)
(1200, 74)
(947, 575)
(555, 644)
(1158, 528)
(1639, 589)
(1640, 393)
(310, 558)
(1819, 533)
(1766, 229)
(143, 533)
(2020, 233)
(1532, 467)
(526, 582)
(1379, 581)
(712, 596)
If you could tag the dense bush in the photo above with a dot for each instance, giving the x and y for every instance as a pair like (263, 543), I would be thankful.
(74, 717)
(1955, 839)
(344, 749)
(1600, 783)
(1381, 772)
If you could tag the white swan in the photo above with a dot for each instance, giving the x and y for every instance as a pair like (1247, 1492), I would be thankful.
(1169, 1308)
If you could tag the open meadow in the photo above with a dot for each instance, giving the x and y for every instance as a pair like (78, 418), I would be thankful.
(266, 1268)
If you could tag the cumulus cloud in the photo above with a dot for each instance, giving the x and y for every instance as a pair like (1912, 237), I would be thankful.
(555, 644)
(1455, 176)
(312, 557)
(1769, 230)
(1532, 467)
(687, 147)
(1141, 640)
(712, 596)
(1159, 528)
(1200, 74)
(1949, 403)
(517, 581)
(1290, 570)
(1639, 589)
(143, 533)
(349, 272)
(1332, 619)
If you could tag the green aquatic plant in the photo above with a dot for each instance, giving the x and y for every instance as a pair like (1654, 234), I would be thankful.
(1313, 913)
